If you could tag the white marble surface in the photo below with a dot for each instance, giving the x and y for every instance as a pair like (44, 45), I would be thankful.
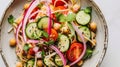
(111, 11)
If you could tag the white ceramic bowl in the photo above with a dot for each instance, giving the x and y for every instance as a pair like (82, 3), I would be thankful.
(15, 8)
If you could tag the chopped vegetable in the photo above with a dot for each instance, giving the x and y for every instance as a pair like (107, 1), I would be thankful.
(53, 35)
(62, 18)
(32, 31)
(88, 10)
(43, 23)
(83, 17)
(45, 34)
(88, 54)
(51, 42)
(63, 43)
(30, 63)
(26, 47)
(75, 51)
(11, 19)
(71, 17)
(60, 54)
(58, 60)
(86, 32)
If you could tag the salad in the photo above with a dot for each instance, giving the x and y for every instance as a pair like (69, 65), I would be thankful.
(53, 33)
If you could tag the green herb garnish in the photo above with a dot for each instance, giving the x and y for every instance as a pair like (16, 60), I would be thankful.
(11, 19)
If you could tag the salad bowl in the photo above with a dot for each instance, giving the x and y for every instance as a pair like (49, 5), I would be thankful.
(16, 7)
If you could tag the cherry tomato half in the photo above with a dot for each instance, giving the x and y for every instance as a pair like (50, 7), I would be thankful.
(31, 52)
(75, 51)
(58, 2)
(53, 35)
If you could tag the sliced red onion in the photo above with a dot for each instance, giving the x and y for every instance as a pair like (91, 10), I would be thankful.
(36, 12)
(16, 35)
(36, 49)
(49, 20)
(38, 54)
(26, 16)
(33, 41)
(59, 53)
(84, 44)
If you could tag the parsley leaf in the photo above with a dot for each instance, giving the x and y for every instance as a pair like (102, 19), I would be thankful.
(11, 19)
(71, 17)
(45, 34)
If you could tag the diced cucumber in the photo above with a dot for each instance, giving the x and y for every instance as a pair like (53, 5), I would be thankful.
(83, 18)
(32, 31)
(43, 22)
(86, 31)
(58, 60)
(30, 63)
(63, 43)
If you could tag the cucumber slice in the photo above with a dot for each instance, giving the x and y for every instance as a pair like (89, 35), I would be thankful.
(63, 43)
(30, 63)
(58, 60)
(48, 62)
(43, 22)
(83, 18)
(32, 31)
(86, 32)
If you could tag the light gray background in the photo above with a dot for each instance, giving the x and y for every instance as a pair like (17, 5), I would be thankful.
(111, 11)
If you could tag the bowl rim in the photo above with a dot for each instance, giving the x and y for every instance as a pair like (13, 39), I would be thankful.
(97, 9)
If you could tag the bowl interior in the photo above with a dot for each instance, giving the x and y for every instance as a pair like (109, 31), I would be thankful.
(16, 9)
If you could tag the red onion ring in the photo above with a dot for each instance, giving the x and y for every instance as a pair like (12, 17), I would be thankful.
(16, 35)
(59, 53)
(26, 16)
(49, 20)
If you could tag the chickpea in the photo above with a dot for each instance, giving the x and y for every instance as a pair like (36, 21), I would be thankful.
(76, 7)
(80, 63)
(26, 5)
(29, 56)
(65, 29)
(12, 42)
(56, 26)
(67, 66)
(19, 64)
(39, 63)
(93, 26)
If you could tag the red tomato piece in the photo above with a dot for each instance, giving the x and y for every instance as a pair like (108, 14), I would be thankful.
(59, 2)
(75, 51)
